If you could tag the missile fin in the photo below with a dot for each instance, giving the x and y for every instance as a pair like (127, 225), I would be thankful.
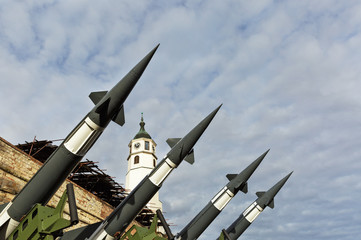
(190, 157)
(103, 107)
(119, 117)
(97, 96)
(245, 188)
(260, 194)
(272, 203)
(230, 177)
(172, 141)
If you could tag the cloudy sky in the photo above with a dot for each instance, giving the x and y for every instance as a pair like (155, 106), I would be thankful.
(287, 72)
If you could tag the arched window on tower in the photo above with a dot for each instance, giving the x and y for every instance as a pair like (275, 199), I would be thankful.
(146, 145)
(136, 159)
(154, 162)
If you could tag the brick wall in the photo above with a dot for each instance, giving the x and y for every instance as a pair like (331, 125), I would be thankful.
(16, 168)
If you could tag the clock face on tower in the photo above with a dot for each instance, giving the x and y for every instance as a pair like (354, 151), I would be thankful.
(137, 145)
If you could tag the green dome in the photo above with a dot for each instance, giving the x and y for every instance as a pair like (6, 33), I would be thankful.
(142, 133)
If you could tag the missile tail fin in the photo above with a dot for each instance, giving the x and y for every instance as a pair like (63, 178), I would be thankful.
(272, 203)
(260, 194)
(172, 141)
(245, 188)
(190, 157)
(230, 177)
(97, 96)
(103, 107)
(119, 117)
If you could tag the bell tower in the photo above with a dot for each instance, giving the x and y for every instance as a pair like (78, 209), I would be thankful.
(141, 161)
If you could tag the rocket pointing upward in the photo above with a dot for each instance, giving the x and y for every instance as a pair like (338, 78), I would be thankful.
(109, 105)
(116, 223)
(42, 186)
(251, 213)
(237, 182)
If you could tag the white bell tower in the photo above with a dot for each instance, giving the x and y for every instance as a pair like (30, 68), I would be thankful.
(141, 161)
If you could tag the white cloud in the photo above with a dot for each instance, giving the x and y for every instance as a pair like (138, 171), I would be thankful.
(286, 72)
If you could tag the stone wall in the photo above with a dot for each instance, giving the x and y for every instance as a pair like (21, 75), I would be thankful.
(16, 168)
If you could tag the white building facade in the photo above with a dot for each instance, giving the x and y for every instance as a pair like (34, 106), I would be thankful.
(142, 160)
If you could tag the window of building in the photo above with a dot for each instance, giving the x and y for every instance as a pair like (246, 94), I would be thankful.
(146, 145)
(136, 159)
(154, 162)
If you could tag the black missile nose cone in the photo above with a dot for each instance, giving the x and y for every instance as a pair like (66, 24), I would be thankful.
(138, 70)
(110, 105)
(253, 166)
(239, 182)
(267, 199)
(133, 76)
(288, 176)
(207, 120)
(185, 145)
(275, 189)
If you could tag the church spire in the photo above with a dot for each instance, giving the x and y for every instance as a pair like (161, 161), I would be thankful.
(142, 133)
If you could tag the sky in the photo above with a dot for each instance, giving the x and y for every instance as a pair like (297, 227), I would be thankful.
(287, 73)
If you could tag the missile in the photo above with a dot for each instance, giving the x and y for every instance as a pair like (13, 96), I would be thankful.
(122, 216)
(251, 213)
(42, 186)
(237, 182)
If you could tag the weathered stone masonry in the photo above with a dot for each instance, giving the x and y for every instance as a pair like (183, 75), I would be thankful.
(16, 168)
